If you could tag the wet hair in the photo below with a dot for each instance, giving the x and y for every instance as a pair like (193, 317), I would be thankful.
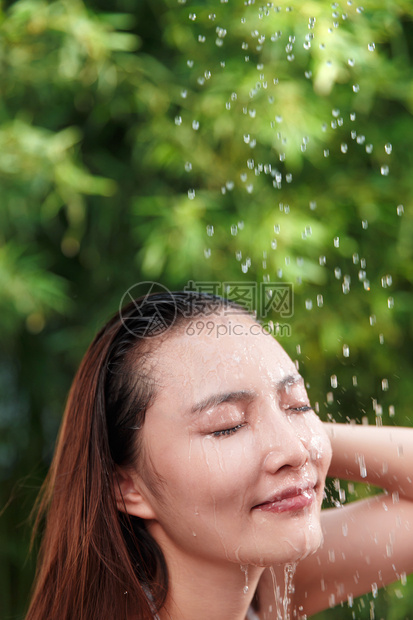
(96, 561)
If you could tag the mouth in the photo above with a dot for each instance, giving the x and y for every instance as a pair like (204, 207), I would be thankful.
(292, 499)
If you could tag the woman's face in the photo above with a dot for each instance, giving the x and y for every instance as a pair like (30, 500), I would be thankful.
(237, 455)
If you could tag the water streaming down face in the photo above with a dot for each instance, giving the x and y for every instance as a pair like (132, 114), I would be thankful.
(282, 52)
(236, 412)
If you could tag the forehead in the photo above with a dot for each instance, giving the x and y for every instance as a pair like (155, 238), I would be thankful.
(223, 353)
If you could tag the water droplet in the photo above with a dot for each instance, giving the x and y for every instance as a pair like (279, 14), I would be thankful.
(346, 350)
(352, 116)
(362, 465)
(195, 125)
(320, 301)
(369, 148)
(384, 171)
(337, 273)
(313, 205)
(344, 147)
(274, 244)
(356, 88)
(207, 252)
(359, 9)
(388, 148)
(322, 260)
(188, 166)
(390, 302)
(381, 338)
(354, 379)
(178, 120)
(392, 411)
(308, 304)
(191, 194)
(374, 590)
(234, 230)
(201, 38)
(207, 75)
(333, 381)
(238, 255)
(384, 385)
(364, 224)
(326, 152)
(210, 230)
(351, 62)
(336, 242)
(241, 225)
(192, 16)
(371, 46)
(308, 74)
(400, 210)
(190, 63)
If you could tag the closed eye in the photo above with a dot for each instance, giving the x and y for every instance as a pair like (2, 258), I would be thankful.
(227, 431)
(304, 408)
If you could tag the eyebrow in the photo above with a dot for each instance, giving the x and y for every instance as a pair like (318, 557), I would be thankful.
(240, 395)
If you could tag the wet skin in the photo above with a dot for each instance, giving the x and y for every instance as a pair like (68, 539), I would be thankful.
(236, 454)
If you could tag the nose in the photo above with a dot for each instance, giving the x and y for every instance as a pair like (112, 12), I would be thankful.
(282, 446)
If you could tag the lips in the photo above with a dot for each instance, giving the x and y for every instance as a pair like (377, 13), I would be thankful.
(291, 499)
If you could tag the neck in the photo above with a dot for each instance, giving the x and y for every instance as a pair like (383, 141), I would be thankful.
(203, 590)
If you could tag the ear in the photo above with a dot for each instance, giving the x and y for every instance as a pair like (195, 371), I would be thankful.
(131, 495)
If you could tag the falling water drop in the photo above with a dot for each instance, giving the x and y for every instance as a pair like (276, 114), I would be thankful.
(333, 381)
(346, 350)
(400, 210)
(207, 252)
(210, 230)
(356, 88)
(388, 148)
(344, 147)
(320, 301)
(371, 46)
(308, 304)
(362, 465)
(390, 303)
(188, 166)
(191, 194)
(384, 171)
(384, 385)
(234, 230)
(178, 120)
(336, 242)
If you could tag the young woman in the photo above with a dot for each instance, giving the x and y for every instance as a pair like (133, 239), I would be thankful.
(188, 479)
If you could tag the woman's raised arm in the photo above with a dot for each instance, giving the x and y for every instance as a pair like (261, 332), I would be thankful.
(367, 543)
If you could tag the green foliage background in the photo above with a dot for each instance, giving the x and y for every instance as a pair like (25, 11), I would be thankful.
(129, 129)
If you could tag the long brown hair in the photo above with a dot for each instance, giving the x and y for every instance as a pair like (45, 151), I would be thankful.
(96, 561)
